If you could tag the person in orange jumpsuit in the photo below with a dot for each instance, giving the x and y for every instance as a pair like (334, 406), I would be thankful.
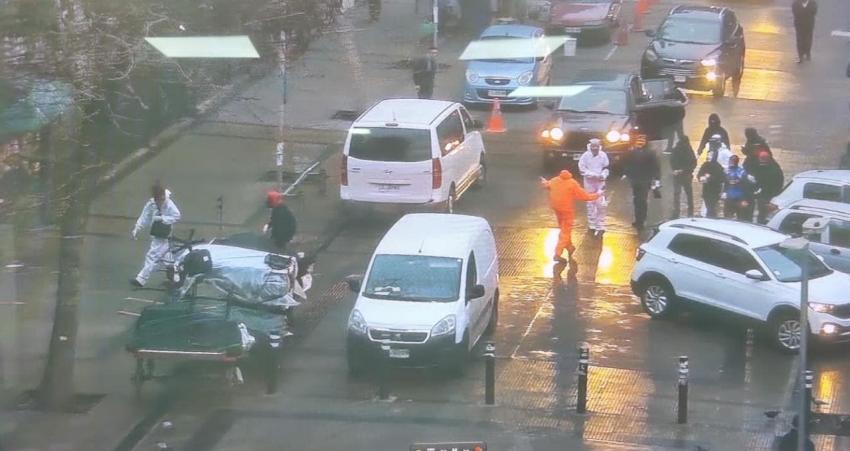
(564, 191)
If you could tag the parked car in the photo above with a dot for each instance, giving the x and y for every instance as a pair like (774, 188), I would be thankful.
(833, 243)
(611, 108)
(740, 268)
(490, 79)
(431, 291)
(822, 184)
(701, 47)
(584, 18)
(412, 153)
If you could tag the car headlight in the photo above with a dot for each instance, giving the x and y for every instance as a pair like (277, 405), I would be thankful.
(471, 76)
(356, 323)
(556, 133)
(709, 62)
(444, 326)
(613, 136)
(624, 137)
(821, 308)
(650, 56)
(525, 78)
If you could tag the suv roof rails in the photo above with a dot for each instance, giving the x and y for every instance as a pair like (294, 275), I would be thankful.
(820, 209)
(705, 229)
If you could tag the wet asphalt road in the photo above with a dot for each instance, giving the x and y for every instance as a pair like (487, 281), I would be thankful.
(544, 315)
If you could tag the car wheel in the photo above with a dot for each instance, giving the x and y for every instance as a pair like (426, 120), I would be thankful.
(785, 332)
(450, 201)
(494, 316)
(481, 181)
(456, 366)
(719, 89)
(657, 298)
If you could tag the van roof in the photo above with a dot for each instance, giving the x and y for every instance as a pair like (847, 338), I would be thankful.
(433, 234)
(405, 111)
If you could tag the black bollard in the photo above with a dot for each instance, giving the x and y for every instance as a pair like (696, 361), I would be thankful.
(683, 390)
(810, 379)
(273, 363)
(583, 361)
(489, 373)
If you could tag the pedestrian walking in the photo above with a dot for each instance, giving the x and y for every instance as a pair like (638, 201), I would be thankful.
(738, 192)
(643, 171)
(712, 176)
(844, 163)
(424, 72)
(753, 140)
(769, 182)
(564, 191)
(281, 225)
(158, 216)
(804, 12)
(682, 163)
(714, 128)
(593, 166)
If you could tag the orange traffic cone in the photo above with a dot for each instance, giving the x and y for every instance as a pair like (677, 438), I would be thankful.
(496, 124)
(641, 9)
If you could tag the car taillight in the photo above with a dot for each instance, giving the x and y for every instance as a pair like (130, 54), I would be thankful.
(436, 173)
(343, 171)
(639, 254)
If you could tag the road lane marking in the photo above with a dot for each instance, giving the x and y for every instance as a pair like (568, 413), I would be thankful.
(611, 52)
(11, 303)
(126, 313)
(530, 325)
(149, 301)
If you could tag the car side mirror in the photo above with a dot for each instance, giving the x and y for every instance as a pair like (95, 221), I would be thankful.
(477, 124)
(649, 33)
(474, 292)
(755, 274)
(354, 282)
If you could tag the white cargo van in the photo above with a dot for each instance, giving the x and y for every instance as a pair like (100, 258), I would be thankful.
(416, 152)
(431, 291)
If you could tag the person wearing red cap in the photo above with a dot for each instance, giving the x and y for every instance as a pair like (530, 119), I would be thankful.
(769, 182)
(281, 225)
(564, 191)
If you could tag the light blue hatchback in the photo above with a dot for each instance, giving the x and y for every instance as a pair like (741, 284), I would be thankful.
(490, 79)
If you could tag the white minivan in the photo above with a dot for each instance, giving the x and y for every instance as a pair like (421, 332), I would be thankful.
(415, 152)
(431, 291)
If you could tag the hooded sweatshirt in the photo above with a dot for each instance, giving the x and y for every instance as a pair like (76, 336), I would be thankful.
(714, 128)
(564, 191)
(716, 177)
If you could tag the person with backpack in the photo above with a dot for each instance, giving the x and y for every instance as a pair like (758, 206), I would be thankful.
(158, 216)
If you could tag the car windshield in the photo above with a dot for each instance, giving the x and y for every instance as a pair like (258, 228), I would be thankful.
(692, 31)
(596, 100)
(414, 278)
(390, 144)
(528, 60)
(785, 264)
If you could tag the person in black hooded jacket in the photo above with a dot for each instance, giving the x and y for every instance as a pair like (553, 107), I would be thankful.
(682, 163)
(712, 176)
(714, 128)
(753, 140)
(769, 182)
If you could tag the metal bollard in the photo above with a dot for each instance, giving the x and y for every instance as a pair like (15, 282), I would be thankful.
(683, 390)
(490, 373)
(583, 361)
(273, 363)
(810, 379)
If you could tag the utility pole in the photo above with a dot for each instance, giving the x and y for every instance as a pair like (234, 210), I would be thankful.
(436, 12)
(280, 148)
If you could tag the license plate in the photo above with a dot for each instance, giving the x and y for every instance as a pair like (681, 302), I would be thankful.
(399, 353)
(680, 78)
(497, 93)
(576, 157)
(388, 187)
(572, 30)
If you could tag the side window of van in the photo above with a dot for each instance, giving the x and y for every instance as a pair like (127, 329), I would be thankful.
(450, 133)
(822, 191)
(471, 271)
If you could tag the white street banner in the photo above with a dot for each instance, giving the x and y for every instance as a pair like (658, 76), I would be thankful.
(512, 48)
(205, 47)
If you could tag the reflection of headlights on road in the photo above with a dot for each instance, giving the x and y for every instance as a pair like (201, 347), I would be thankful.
(525, 78)
(556, 133)
(613, 136)
(651, 56)
(711, 76)
(709, 62)
(471, 77)
(821, 308)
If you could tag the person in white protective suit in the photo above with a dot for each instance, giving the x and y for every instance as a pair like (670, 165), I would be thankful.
(593, 166)
(158, 216)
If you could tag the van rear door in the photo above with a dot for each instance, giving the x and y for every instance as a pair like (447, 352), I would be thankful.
(390, 164)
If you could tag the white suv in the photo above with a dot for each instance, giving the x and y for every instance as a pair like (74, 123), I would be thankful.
(415, 152)
(742, 269)
(833, 242)
(831, 185)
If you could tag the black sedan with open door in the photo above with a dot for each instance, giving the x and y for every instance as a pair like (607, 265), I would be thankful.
(612, 107)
